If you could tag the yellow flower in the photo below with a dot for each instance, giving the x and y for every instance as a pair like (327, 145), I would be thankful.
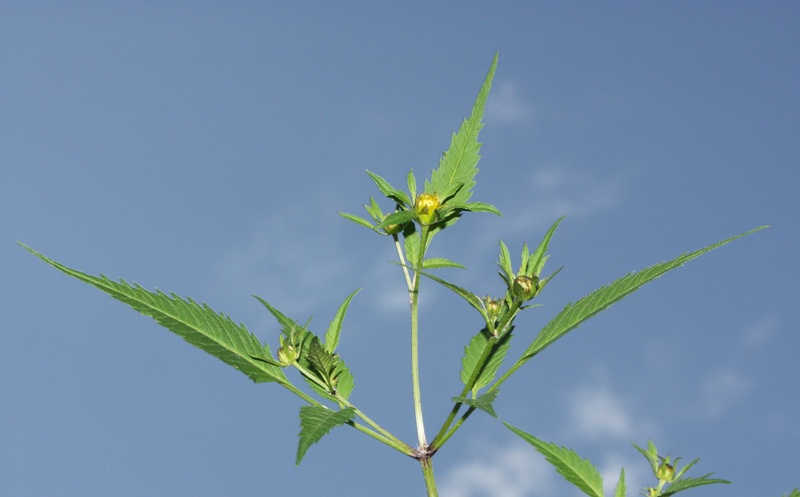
(425, 207)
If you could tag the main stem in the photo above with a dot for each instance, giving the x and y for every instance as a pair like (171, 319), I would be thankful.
(415, 363)
(423, 443)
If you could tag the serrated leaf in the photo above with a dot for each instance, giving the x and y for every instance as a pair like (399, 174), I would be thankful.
(576, 313)
(316, 422)
(579, 472)
(411, 246)
(458, 164)
(482, 402)
(687, 483)
(329, 369)
(619, 491)
(472, 354)
(437, 262)
(335, 326)
(198, 324)
(391, 192)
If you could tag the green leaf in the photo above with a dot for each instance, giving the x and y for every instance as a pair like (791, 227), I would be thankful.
(458, 164)
(481, 207)
(536, 261)
(576, 313)
(794, 493)
(687, 483)
(411, 246)
(335, 326)
(399, 217)
(434, 262)
(411, 181)
(620, 490)
(391, 192)
(482, 402)
(505, 264)
(359, 220)
(579, 472)
(198, 324)
(316, 422)
(470, 297)
(473, 353)
(327, 368)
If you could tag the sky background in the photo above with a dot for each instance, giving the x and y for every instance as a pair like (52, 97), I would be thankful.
(205, 149)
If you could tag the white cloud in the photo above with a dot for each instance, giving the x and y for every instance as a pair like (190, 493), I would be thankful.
(504, 104)
(761, 331)
(722, 390)
(557, 191)
(284, 264)
(513, 471)
(598, 412)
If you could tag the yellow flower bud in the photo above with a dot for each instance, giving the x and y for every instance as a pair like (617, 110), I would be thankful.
(425, 207)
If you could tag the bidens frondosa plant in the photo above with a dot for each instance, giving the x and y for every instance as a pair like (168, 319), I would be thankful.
(415, 217)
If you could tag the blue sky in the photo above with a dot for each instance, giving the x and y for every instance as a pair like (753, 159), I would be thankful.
(205, 149)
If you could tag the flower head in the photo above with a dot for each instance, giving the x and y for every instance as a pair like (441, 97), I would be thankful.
(425, 207)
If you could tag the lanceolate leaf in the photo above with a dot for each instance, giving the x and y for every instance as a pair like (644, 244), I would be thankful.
(198, 324)
(458, 165)
(335, 327)
(536, 260)
(482, 402)
(620, 490)
(397, 195)
(316, 422)
(470, 297)
(576, 313)
(434, 262)
(579, 472)
(687, 483)
(473, 353)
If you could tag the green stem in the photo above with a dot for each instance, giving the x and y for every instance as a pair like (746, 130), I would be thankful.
(382, 435)
(445, 432)
(402, 261)
(415, 343)
(427, 473)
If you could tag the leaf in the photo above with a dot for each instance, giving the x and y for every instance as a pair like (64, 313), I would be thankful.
(434, 262)
(411, 181)
(505, 264)
(576, 313)
(470, 297)
(473, 353)
(481, 207)
(687, 483)
(620, 490)
(579, 472)
(391, 192)
(399, 217)
(335, 327)
(316, 422)
(411, 246)
(359, 220)
(482, 402)
(329, 369)
(536, 261)
(458, 164)
(198, 324)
